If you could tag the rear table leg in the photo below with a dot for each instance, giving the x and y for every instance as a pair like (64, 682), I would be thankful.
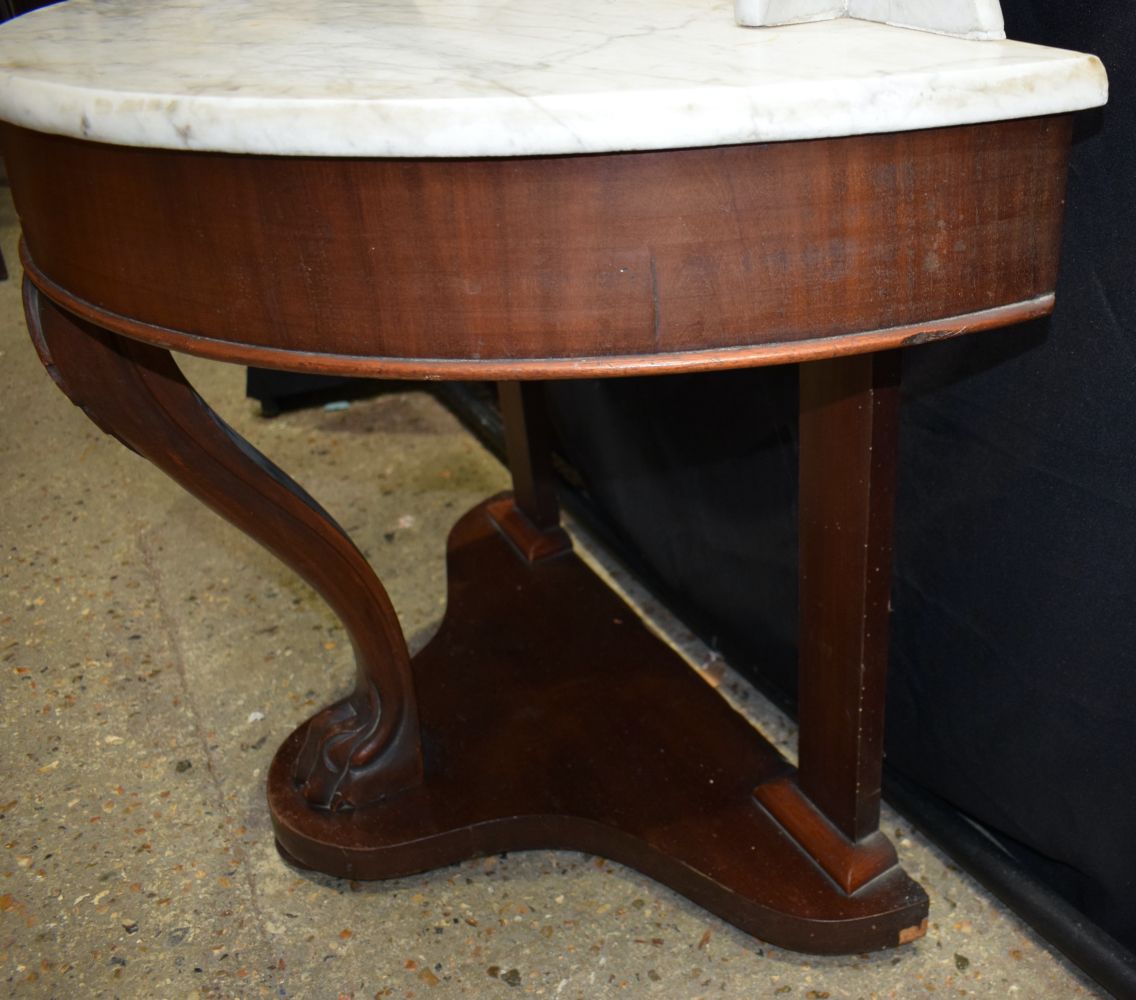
(530, 518)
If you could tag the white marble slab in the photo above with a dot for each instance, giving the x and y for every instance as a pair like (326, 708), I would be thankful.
(965, 18)
(500, 77)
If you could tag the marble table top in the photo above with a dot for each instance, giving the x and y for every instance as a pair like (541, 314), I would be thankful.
(501, 77)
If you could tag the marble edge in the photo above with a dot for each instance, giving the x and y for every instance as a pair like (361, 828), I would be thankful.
(975, 35)
(578, 123)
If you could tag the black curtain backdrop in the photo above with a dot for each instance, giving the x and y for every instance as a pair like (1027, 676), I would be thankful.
(1013, 679)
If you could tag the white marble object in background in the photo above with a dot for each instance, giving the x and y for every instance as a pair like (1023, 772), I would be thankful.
(500, 77)
(965, 18)
(968, 18)
(769, 13)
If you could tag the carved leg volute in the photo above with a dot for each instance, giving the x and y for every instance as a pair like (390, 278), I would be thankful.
(359, 750)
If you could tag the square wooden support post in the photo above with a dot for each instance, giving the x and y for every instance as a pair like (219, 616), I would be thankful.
(849, 424)
(530, 518)
(849, 420)
(849, 432)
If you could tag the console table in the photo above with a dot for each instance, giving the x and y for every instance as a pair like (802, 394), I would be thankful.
(522, 191)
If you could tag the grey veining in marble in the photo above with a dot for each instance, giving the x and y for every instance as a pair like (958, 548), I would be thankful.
(500, 77)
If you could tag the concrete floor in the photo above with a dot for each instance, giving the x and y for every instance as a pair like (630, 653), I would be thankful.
(153, 658)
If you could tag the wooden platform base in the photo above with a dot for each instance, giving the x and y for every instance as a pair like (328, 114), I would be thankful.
(552, 718)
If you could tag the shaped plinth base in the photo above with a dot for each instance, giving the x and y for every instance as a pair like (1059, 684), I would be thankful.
(552, 718)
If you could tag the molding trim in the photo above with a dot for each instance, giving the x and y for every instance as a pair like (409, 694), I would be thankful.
(751, 356)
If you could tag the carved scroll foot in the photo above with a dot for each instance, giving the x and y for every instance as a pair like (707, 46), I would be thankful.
(367, 746)
(356, 752)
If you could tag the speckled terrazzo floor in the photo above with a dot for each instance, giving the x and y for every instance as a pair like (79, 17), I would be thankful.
(152, 658)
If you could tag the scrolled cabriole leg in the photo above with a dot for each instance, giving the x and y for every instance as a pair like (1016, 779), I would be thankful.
(359, 750)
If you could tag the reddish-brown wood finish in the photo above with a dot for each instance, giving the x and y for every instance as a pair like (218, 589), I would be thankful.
(541, 260)
(709, 359)
(531, 542)
(355, 752)
(527, 451)
(544, 714)
(849, 421)
(530, 516)
(552, 717)
(851, 865)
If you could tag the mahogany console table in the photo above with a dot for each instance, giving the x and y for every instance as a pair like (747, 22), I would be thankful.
(527, 191)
